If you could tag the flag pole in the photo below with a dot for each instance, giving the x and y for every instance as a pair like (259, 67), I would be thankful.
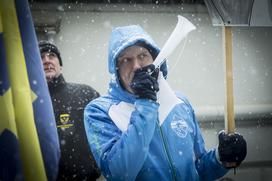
(229, 107)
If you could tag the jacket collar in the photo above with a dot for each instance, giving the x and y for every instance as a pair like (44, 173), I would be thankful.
(56, 83)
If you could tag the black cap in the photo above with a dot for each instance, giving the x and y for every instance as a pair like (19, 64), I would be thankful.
(46, 46)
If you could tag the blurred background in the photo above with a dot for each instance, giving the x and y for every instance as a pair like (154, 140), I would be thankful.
(81, 30)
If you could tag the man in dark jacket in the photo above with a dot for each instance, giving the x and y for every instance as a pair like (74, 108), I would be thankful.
(69, 100)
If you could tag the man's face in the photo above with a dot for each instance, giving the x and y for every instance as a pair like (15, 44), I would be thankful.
(131, 59)
(51, 65)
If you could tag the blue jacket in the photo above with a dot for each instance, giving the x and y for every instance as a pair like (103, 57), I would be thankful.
(130, 143)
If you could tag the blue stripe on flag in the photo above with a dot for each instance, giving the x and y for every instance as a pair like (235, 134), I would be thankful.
(43, 111)
(4, 83)
(10, 165)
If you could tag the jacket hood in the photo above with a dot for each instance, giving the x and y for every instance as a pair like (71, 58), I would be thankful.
(121, 38)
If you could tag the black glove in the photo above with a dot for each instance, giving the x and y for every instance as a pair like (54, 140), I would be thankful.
(144, 83)
(232, 149)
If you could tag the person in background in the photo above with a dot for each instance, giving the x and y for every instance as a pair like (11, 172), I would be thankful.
(69, 100)
(127, 135)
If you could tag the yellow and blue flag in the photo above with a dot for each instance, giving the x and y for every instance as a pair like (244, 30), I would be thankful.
(29, 147)
(10, 165)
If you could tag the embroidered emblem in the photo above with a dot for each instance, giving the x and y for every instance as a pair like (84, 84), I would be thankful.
(180, 127)
(64, 118)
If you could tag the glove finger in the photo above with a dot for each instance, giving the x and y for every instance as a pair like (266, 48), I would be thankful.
(140, 76)
(155, 73)
(156, 87)
(142, 88)
(144, 79)
(146, 82)
(148, 69)
(223, 137)
(152, 84)
(148, 95)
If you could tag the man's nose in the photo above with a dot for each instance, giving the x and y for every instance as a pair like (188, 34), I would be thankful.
(136, 65)
(45, 58)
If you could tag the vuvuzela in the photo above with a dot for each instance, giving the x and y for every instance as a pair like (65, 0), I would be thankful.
(181, 30)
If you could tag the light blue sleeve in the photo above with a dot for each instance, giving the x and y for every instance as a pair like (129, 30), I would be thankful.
(121, 155)
(207, 165)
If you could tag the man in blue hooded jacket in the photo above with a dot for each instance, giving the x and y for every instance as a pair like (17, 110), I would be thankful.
(128, 137)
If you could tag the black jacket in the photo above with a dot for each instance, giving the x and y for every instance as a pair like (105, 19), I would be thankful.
(69, 101)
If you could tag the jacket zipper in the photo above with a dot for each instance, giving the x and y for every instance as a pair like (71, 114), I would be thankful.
(167, 154)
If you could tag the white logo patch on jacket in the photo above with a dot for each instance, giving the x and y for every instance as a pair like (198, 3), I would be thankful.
(180, 127)
(120, 114)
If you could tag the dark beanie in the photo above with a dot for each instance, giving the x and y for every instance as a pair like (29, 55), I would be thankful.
(46, 46)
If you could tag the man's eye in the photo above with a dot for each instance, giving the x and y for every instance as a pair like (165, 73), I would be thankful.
(125, 60)
(143, 56)
(52, 55)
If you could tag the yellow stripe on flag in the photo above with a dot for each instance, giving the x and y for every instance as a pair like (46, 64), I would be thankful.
(6, 108)
(1, 27)
(7, 113)
(33, 166)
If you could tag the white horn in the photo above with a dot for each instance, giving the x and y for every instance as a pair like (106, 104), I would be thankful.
(181, 30)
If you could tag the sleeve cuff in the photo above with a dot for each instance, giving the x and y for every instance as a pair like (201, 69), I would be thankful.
(217, 156)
